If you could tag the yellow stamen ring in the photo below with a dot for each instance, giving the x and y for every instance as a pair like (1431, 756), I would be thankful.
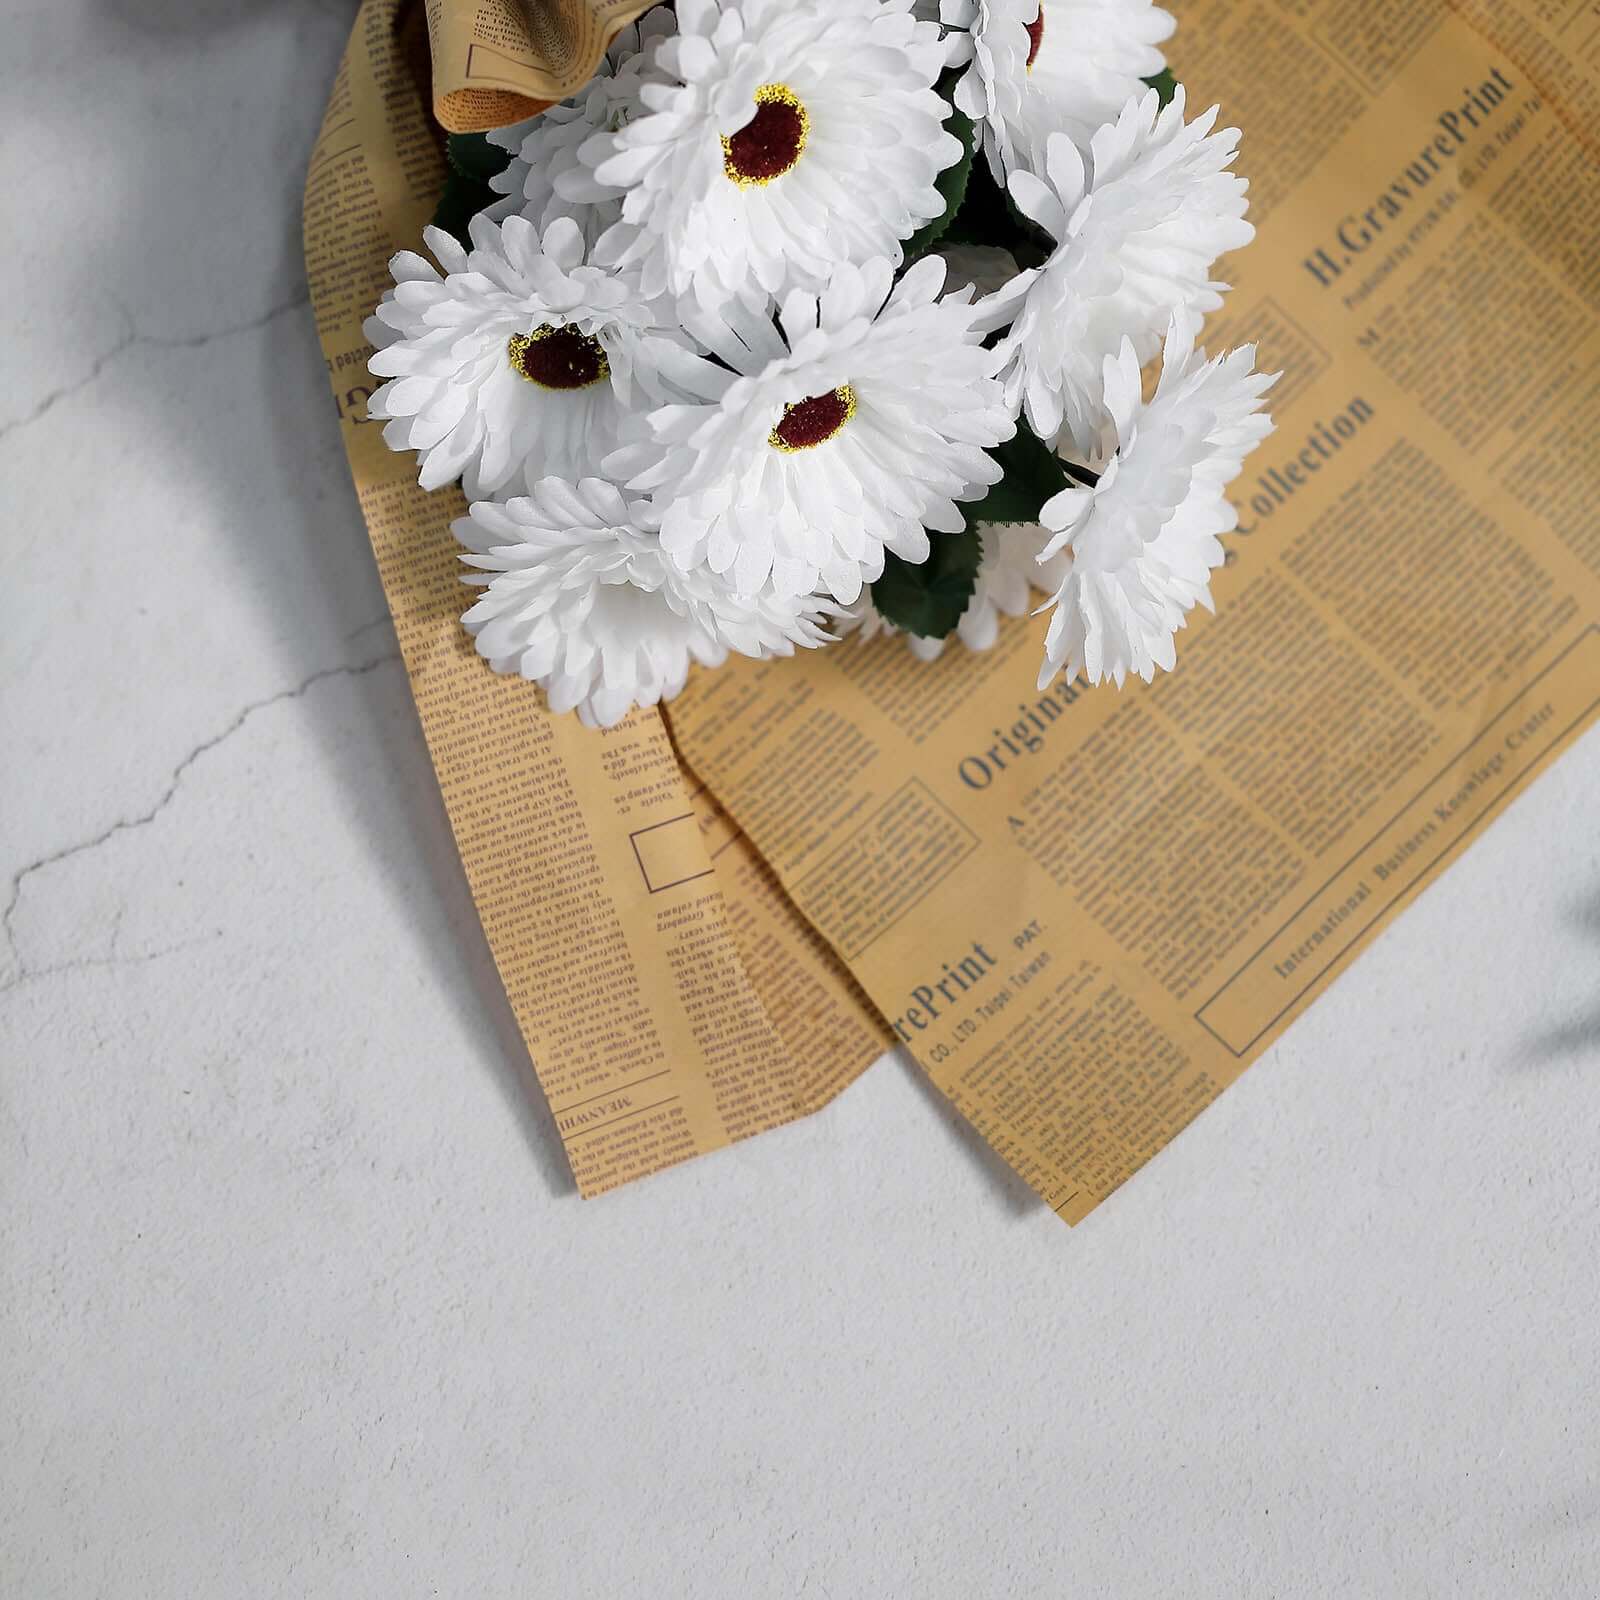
(814, 420)
(770, 143)
(558, 358)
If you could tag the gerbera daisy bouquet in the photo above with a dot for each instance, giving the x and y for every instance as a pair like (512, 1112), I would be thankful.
(811, 318)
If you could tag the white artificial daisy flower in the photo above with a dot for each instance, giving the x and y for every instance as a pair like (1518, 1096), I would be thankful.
(520, 361)
(1143, 541)
(579, 597)
(1138, 229)
(544, 178)
(1010, 569)
(851, 432)
(774, 141)
(1039, 67)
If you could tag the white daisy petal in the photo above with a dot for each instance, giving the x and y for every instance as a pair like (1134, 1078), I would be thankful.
(578, 596)
(1141, 545)
(1137, 234)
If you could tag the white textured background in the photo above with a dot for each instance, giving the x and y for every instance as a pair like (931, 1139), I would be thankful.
(295, 1296)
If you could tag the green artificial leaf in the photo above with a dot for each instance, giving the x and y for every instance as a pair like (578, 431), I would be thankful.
(1033, 474)
(472, 162)
(462, 200)
(951, 184)
(927, 599)
(988, 217)
(1164, 85)
(472, 156)
(985, 216)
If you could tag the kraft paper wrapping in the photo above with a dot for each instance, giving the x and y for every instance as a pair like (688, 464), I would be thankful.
(1083, 912)
(498, 61)
(672, 998)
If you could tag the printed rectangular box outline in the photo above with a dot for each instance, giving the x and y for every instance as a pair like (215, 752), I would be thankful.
(638, 855)
(475, 75)
(1425, 871)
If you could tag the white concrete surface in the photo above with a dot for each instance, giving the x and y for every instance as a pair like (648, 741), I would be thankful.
(295, 1297)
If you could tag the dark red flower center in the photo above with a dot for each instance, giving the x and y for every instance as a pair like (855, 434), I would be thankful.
(1035, 34)
(558, 358)
(771, 141)
(814, 420)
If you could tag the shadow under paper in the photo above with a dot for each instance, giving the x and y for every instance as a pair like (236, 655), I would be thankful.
(268, 471)
(1577, 1039)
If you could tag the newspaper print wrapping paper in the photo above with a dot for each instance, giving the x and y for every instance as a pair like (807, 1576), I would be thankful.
(1082, 912)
